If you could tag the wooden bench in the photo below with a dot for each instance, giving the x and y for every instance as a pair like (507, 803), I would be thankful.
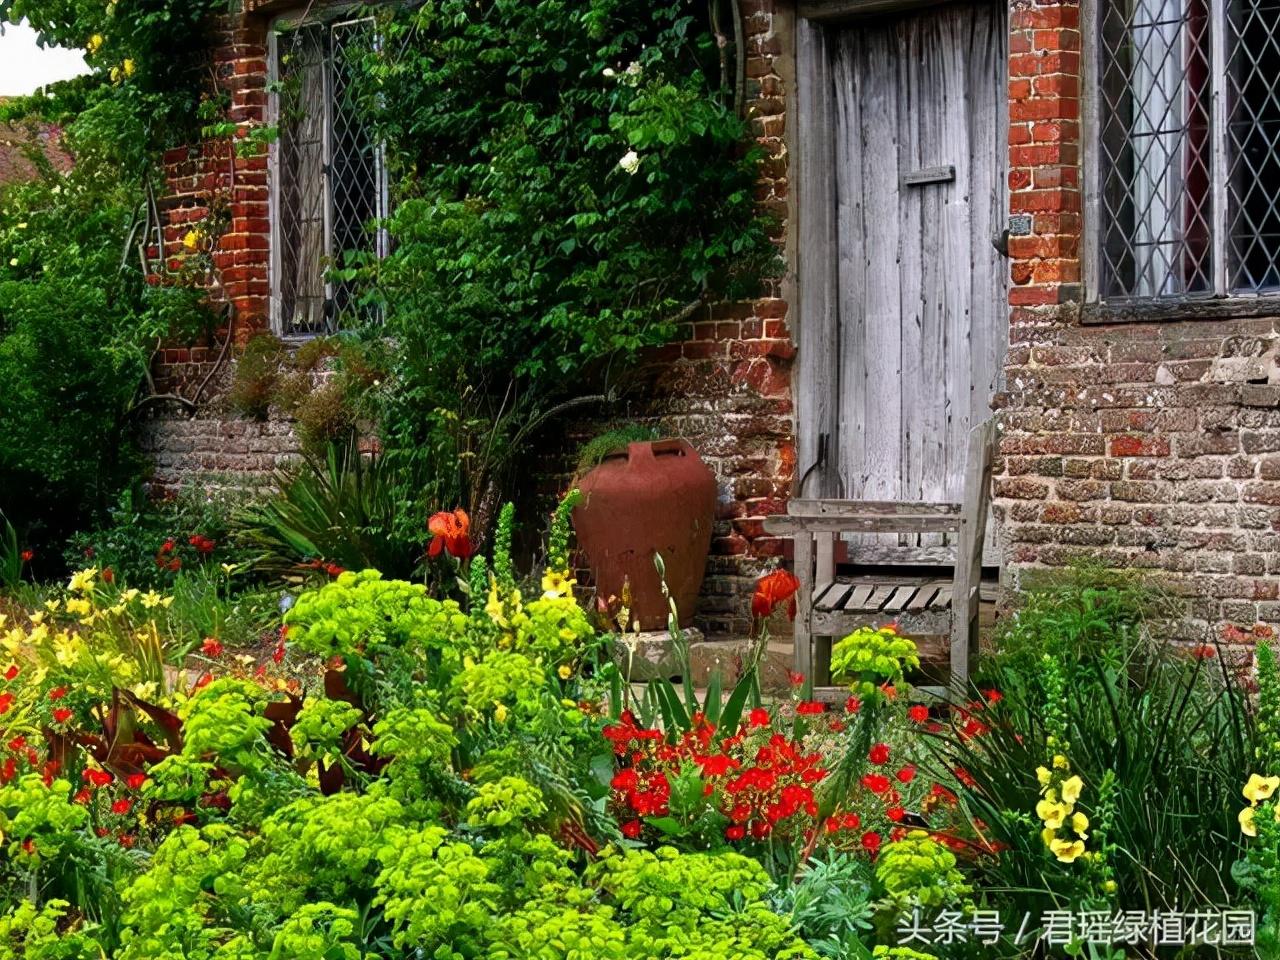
(938, 602)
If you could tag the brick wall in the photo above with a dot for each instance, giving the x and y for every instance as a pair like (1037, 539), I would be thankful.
(1153, 445)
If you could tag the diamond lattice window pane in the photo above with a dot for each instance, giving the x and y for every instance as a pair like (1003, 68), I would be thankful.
(1155, 148)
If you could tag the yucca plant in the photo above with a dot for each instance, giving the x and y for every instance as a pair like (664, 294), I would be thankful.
(340, 511)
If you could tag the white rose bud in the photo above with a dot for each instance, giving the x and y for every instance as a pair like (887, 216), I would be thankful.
(631, 162)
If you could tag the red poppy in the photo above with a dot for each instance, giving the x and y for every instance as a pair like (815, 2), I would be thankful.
(12, 672)
(879, 754)
(450, 532)
(175, 564)
(83, 796)
(758, 717)
(852, 705)
(122, 806)
(211, 647)
(906, 774)
(735, 832)
(918, 713)
(167, 546)
(810, 708)
(796, 679)
(876, 783)
(57, 693)
(17, 743)
(97, 778)
(772, 590)
(134, 781)
(61, 715)
(871, 841)
(895, 814)
(202, 544)
(6, 701)
(994, 696)
(632, 829)
(26, 556)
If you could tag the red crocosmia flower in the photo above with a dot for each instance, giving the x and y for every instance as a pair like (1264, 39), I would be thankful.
(108, 575)
(906, 774)
(61, 715)
(895, 814)
(6, 701)
(876, 783)
(810, 708)
(83, 796)
(879, 754)
(717, 765)
(994, 696)
(134, 781)
(334, 570)
(796, 679)
(918, 713)
(211, 647)
(734, 832)
(122, 806)
(758, 717)
(773, 590)
(26, 556)
(57, 693)
(97, 778)
(12, 672)
(632, 829)
(871, 842)
(17, 743)
(450, 532)
(852, 705)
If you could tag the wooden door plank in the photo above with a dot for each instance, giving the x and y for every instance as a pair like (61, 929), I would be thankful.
(858, 597)
(832, 597)
(923, 597)
(900, 598)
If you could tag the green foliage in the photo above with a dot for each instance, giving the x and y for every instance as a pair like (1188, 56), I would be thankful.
(532, 256)
(831, 905)
(317, 733)
(345, 509)
(593, 452)
(919, 871)
(868, 659)
(253, 389)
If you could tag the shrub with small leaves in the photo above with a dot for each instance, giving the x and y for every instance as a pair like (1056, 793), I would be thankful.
(919, 871)
(505, 801)
(869, 659)
(319, 729)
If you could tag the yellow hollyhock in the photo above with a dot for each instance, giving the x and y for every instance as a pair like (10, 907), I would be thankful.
(1247, 826)
(1071, 789)
(1067, 850)
(1260, 788)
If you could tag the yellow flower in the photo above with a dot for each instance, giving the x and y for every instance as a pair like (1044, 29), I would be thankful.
(1043, 775)
(1047, 835)
(95, 43)
(150, 599)
(228, 568)
(1060, 762)
(500, 713)
(1066, 850)
(78, 606)
(1071, 789)
(557, 583)
(82, 582)
(1053, 814)
(565, 671)
(1080, 824)
(128, 67)
(1246, 822)
(115, 74)
(191, 239)
(1260, 788)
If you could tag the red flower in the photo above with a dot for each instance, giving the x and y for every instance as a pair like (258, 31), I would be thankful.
(810, 708)
(211, 647)
(122, 806)
(871, 841)
(879, 754)
(61, 715)
(83, 796)
(717, 765)
(918, 713)
(852, 705)
(57, 693)
(994, 696)
(876, 783)
(12, 672)
(895, 814)
(965, 777)
(134, 781)
(795, 679)
(734, 832)
(6, 700)
(17, 743)
(175, 564)
(450, 532)
(632, 829)
(333, 570)
(202, 543)
(167, 546)
(108, 575)
(758, 717)
(772, 590)
(97, 778)
(26, 556)
(203, 680)
(906, 774)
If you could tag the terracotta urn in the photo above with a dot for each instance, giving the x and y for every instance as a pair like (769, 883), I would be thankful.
(654, 497)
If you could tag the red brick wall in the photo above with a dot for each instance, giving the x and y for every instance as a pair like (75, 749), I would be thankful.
(1153, 445)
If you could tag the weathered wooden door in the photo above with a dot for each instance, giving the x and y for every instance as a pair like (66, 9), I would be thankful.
(903, 309)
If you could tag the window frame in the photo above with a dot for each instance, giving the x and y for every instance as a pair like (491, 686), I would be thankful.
(330, 15)
(1219, 303)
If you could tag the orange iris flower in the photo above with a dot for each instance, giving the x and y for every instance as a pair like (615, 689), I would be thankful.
(450, 532)
(772, 590)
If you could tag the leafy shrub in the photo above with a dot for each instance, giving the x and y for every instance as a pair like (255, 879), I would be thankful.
(257, 376)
